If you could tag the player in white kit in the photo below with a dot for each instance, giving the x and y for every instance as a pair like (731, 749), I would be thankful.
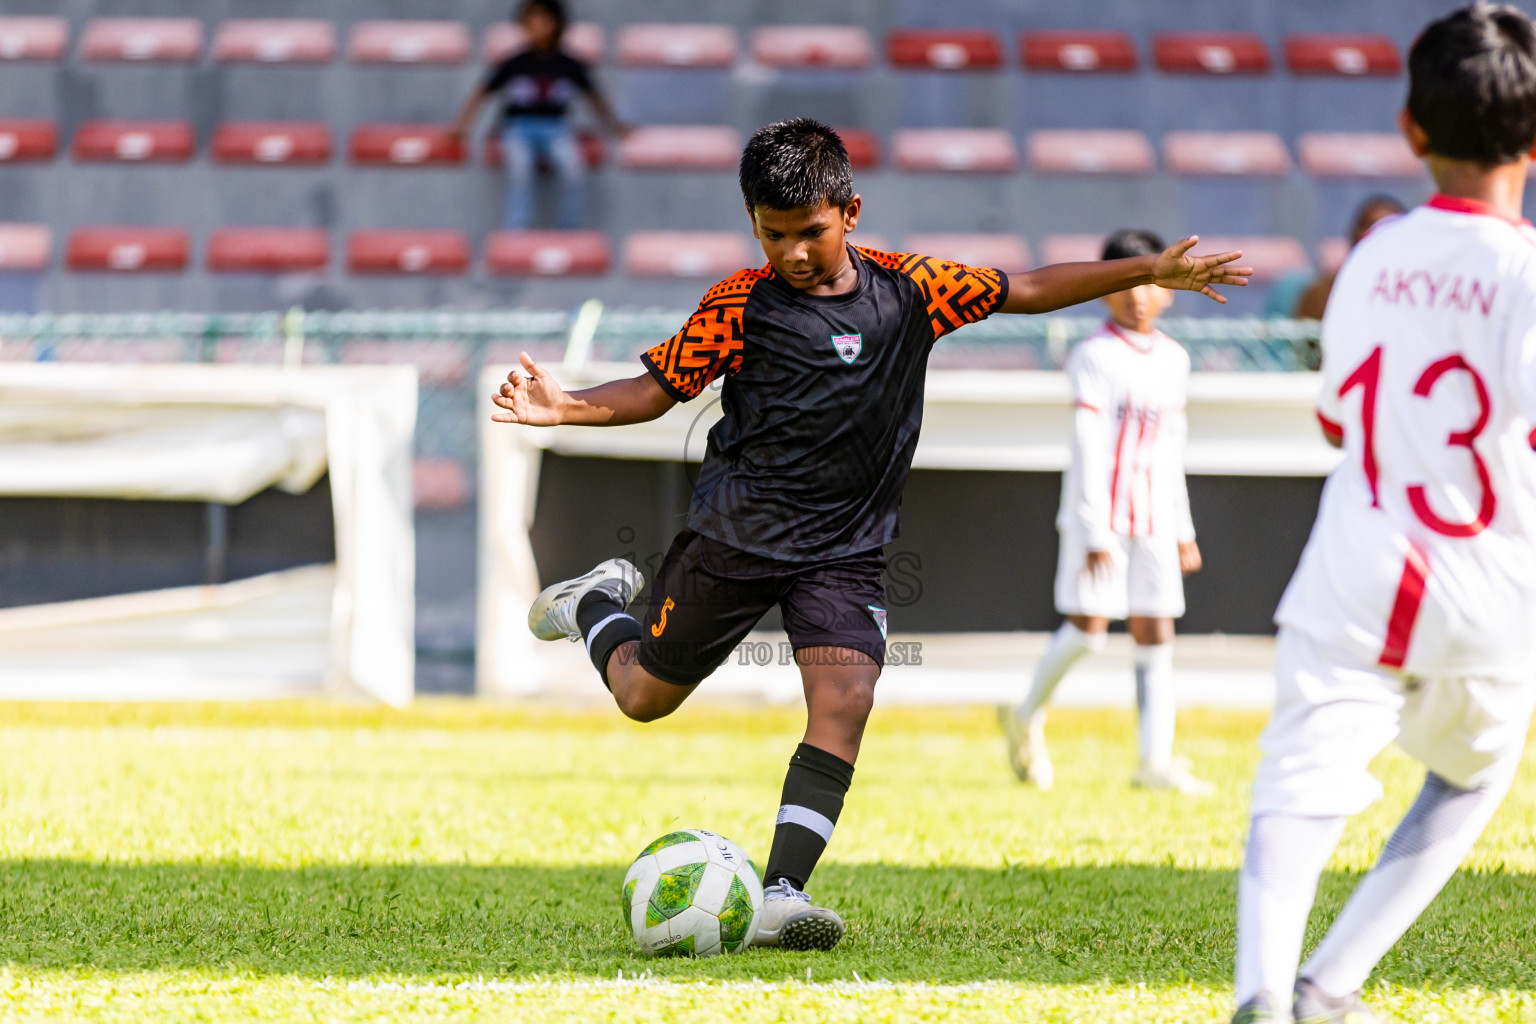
(1127, 539)
(1412, 616)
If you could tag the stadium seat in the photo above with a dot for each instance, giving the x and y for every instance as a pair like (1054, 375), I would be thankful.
(275, 41)
(1077, 51)
(148, 39)
(25, 247)
(134, 141)
(1071, 249)
(408, 42)
(1007, 253)
(681, 147)
(440, 363)
(862, 146)
(664, 45)
(1210, 53)
(440, 483)
(1357, 155)
(799, 46)
(268, 250)
(583, 40)
(272, 142)
(27, 140)
(687, 254)
(1226, 153)
(33, 38)
(1342, 55)
(127, 249)
(954, 49)
(1271, 256)
(547, 253)
(394, 251)
(594, 149)
(1052, 151)
(1331, 253)
(404, 145)
(955, 149)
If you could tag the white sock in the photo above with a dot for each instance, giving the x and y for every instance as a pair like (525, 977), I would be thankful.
(1155, 703)
(1414, 866)
(1067, 647)
(1286, 854)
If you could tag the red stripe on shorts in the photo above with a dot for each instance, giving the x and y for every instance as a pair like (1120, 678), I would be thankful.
(1405, 609)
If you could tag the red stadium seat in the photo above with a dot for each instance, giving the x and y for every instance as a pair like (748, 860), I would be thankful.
(681, 147)
(1053, 151)
(268, 250)
(863, 148)
(955, 149)
(408, 42)
(440, 483)
(1210, 53)
(407, 252)
(404, 145)
(1342, 55)
(27, 140)
(1357, 155)
(25, 247)
(1078, 51)
(1007, 253)
(127, 249)
(583, 40)
(134, 141)
(1271, 256)
(1226, 153)
(272, 142)
(594, 150)
(954, 49)
(440, 363)
(33, 38)
(1071, 249)
(149, 39)
(1331, 253)
(664, 45)
(687, 254)
(276, 41)
(547, 253)
(799, 46)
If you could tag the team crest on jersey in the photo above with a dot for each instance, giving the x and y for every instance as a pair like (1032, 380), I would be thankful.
(878, 614)
(848, 346)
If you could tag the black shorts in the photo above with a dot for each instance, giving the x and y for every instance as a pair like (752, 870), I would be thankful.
(707, 596)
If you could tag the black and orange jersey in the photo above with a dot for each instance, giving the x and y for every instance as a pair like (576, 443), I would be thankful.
(821, 396)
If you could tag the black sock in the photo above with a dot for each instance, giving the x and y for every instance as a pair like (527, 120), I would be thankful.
(813, 797)
(601, 611)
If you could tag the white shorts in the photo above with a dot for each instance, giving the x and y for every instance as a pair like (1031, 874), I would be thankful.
(1333, 715)
(1144, 580)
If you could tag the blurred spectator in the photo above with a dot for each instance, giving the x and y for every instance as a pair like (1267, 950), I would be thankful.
(1314, 299)
(536, 86)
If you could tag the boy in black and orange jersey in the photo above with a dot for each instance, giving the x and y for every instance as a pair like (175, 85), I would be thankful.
(823, 352)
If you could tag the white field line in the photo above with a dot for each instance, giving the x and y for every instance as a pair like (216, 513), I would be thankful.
(646, 982)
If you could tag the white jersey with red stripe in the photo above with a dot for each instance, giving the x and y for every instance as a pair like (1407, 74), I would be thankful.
(1423, 556)
(1126, 477)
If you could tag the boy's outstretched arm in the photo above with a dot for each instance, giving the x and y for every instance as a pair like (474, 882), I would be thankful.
(1067, 284)
(535, 399)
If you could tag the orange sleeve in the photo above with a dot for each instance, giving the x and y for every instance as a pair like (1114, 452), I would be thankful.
(956, 294)
(710, 343)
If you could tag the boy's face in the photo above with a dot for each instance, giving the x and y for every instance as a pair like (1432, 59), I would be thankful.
(541, 27)
(1137, 309)
(805, 245)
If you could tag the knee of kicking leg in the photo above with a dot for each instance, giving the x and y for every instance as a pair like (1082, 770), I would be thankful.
(646, 703)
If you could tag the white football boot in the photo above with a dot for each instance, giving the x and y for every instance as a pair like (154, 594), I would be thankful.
(1176, 775)
(553, 614)
(789, 920)
(1027, 753)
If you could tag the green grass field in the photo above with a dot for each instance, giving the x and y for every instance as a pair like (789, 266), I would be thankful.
(307, 862)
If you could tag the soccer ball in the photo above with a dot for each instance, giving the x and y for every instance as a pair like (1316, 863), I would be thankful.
(692, 893)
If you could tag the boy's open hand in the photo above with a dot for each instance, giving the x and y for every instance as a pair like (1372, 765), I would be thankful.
(1176, 269)
(534, 399)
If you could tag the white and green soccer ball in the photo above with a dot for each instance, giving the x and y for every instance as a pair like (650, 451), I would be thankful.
(692, 893)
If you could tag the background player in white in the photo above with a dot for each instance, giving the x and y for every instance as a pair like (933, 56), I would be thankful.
(1412, 615)
(1127, 539)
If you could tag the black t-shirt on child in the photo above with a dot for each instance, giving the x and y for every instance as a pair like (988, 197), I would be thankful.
(537, 83)
(822, 398)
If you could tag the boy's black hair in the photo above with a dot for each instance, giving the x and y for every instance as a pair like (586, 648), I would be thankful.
(1131, 242)
(1472, 84)
(554, 8)
(795, 163)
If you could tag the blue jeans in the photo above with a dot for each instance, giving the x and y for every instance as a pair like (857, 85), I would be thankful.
(524, 141)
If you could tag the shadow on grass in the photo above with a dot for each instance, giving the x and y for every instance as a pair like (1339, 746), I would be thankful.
(1054, 925)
